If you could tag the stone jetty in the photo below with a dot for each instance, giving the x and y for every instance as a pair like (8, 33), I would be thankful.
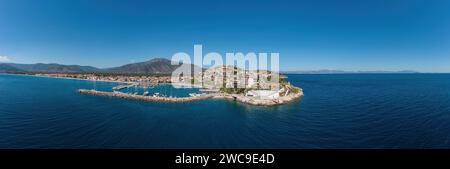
(146, 98)
(235, 97)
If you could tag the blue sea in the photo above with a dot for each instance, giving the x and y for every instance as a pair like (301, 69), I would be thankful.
(337, 111)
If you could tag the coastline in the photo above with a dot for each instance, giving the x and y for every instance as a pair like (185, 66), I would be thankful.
(220, 95)
(67, 78)
(71, 78)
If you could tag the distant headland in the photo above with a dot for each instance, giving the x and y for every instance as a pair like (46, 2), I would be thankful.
(327, 71)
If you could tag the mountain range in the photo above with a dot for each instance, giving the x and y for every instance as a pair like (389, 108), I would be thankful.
(157, 65)
(153, 66)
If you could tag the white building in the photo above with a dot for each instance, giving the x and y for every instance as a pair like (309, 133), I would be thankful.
(250, 82)
(263, 94)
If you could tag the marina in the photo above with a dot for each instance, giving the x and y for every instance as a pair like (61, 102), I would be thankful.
(154, 98)
(157, 97)
(253, 91)
(174, 95)
(120, 87)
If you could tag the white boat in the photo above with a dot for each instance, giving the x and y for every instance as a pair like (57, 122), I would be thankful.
(196, 94)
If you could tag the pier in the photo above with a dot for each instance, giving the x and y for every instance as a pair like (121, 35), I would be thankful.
(120, 87)
(146, 98)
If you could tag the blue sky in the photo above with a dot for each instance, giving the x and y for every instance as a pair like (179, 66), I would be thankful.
(309, 34)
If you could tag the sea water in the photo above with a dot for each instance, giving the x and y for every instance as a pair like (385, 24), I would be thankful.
(337, 111)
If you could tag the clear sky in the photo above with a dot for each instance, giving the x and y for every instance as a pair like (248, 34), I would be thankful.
(308, 34)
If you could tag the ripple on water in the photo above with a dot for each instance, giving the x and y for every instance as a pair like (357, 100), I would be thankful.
(337, 111)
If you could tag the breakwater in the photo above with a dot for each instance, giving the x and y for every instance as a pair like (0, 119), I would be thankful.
(146, 98)
(235, 97)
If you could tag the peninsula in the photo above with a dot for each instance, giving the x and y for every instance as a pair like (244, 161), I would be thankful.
(256, 87)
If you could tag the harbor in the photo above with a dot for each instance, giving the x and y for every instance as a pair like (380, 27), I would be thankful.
(120, 87)
(213, 84)
(153, 98)
(258, 97)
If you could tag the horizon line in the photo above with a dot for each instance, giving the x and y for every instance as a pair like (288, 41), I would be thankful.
(310, 71)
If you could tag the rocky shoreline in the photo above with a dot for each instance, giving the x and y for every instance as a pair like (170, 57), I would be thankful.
(261, 102)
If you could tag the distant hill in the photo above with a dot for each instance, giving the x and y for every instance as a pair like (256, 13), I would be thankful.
(45, 68)
(158, 65)
(6, 68)
(325, 71)
(154, 66)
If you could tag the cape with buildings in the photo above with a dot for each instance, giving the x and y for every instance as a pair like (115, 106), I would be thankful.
(258, 87)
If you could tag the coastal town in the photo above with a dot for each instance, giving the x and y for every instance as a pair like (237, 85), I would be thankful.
(110, 77)
(258, 87)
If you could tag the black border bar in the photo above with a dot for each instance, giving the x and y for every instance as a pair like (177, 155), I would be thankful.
(166, 157)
